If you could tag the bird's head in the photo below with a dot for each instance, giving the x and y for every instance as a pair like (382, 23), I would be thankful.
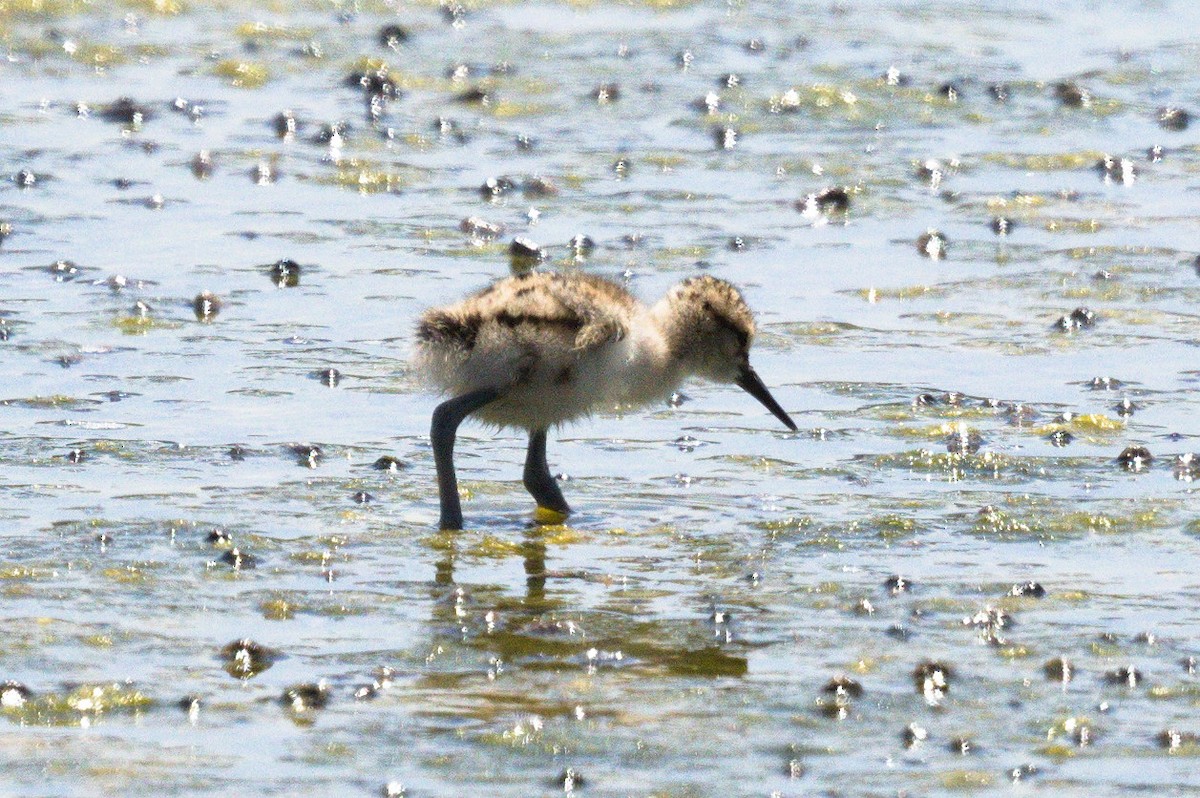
(709, 329)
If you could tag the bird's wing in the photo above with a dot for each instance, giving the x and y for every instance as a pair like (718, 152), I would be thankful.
(599, 306)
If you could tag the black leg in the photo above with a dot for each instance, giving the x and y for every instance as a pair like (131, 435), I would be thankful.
(446, 418)
(538, 481)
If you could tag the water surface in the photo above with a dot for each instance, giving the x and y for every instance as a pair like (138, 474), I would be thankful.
(680, 635)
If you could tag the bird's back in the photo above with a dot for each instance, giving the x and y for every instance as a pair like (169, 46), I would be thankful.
(545, 340)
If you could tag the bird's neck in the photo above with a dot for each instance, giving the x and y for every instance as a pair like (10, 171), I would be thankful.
(678, 337)
(652, 370)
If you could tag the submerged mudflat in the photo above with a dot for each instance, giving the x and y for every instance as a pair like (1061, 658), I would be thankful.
(969, 235)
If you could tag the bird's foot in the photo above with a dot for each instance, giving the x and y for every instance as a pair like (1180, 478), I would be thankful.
(545, 515)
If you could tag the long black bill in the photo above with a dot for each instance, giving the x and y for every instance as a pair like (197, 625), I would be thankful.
(749, 381)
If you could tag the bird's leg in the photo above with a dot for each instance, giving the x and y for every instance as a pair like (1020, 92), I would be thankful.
(446, 418)
(537, 479)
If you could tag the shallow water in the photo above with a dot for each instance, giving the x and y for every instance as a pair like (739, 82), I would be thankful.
(676, 638)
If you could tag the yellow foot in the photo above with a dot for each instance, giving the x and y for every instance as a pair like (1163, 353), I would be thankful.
(544, 515)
